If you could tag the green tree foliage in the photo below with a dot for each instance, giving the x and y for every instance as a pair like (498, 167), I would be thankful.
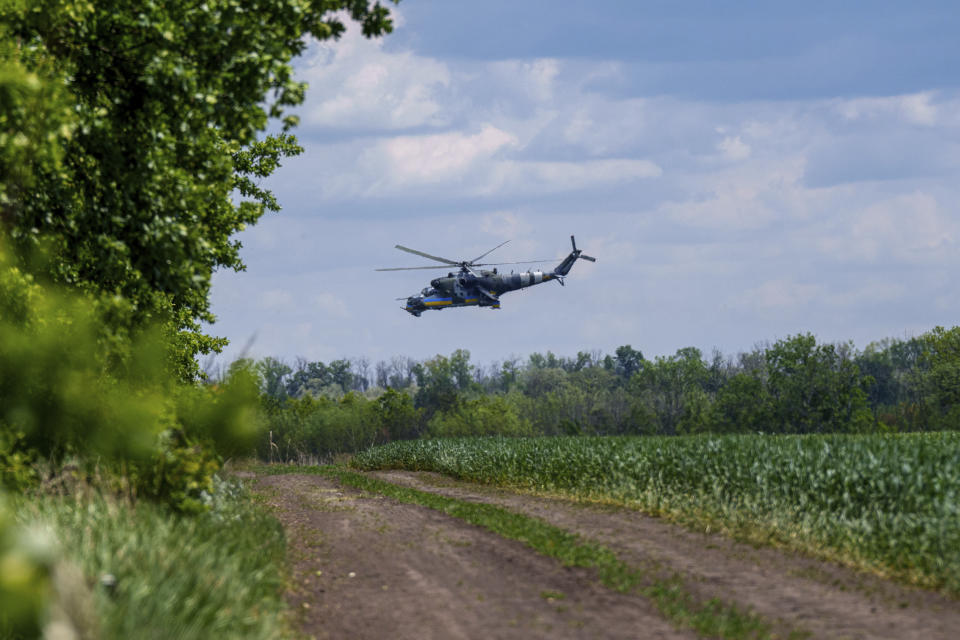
(272, 374)
(672, 387)
(309, 377)
(742, 405)
(307, 429)
(399, 418)
(896, 370)
(628, 361)
(815, 388)
(63, 397)
(483, 416)
(942, 380)
(132, 138)
(442, 380)
(132, 145)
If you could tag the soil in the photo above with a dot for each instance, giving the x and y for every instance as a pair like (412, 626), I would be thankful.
(368, 567)
(403, 571)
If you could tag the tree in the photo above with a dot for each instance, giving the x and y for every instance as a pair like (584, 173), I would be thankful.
(628, 361)
(742, 405)
(898, 388)
(361, 373)
(341, 375)
(813, 388)
(673, 389)
(442, 380)
(942, 356)
(273, 374)
(309, 378)
(398, 416)
(157, 114)
(539, 382)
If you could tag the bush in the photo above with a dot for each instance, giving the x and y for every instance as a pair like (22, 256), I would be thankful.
(73, 386)
(482, 416)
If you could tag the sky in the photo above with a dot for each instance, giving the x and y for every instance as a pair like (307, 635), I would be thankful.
(742, 171)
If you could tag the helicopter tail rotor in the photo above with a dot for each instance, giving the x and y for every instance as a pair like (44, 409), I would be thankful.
(564, 267)
(579, 253)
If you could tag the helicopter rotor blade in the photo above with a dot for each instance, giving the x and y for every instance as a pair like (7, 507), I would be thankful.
(413, 268)
(482, 264)
(490, 264)
(473, 262)
(590, 258)
(426, 255)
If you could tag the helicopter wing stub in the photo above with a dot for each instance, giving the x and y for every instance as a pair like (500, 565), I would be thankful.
(427, 255)
(489, 294)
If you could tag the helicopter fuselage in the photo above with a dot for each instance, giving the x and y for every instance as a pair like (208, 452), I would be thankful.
(465, 289)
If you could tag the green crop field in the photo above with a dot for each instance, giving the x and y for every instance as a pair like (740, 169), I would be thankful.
(884, 502)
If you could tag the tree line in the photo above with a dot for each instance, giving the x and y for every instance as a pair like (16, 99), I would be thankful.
(794, 385)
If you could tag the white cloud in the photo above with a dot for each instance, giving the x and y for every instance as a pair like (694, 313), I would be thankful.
(417, 160)
(505, 224)
(733, 148)
(908, 228)
(914, 108)
(487, 162)
(747, 197)
(275, 300)
(354, 84)
(779, 294)
(331, 305)
(514, 176)
(867, 293)
(536, 79)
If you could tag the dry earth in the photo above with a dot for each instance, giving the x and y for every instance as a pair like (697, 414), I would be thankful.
(365, 566)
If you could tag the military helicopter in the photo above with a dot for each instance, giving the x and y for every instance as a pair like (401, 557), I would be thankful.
(471, 286)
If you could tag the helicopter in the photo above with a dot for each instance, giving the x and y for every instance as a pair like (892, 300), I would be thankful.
(471, 286)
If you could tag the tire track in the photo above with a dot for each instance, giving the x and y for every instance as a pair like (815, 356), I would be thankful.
(402, 571)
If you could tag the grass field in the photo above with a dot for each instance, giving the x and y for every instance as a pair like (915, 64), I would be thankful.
(888, 503)
(143, 572)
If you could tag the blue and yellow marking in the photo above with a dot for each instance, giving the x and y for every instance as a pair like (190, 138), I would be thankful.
(446, 302)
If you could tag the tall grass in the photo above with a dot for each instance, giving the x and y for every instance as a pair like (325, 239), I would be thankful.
(887, 502)
(158, 575)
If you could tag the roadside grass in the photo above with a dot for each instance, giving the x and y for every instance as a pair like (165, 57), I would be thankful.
(711, 618)
(149, 573)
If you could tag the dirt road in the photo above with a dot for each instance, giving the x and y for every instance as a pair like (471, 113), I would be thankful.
(368, 567)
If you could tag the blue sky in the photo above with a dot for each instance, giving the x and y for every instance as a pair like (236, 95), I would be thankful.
(743, 171)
